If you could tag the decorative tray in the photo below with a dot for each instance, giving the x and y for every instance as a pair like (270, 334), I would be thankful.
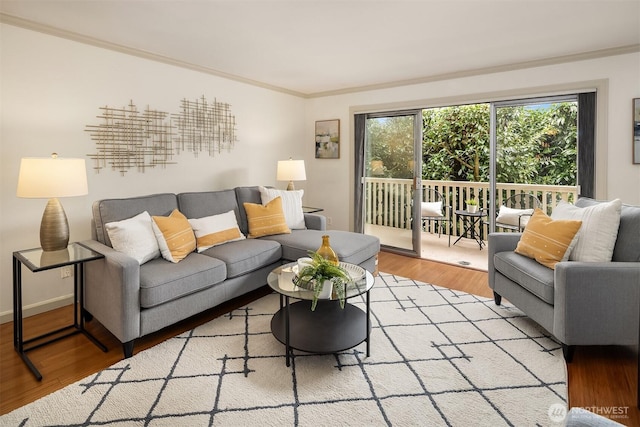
(356, 272)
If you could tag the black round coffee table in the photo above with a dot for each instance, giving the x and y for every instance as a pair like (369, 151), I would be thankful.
(328, 329)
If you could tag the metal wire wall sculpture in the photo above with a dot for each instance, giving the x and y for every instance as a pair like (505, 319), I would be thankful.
(205, 127)
(128, 139)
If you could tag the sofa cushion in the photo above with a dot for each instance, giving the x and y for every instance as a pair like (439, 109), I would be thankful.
(353, 248)
(162, 281)
(246, 195)
(599, 230)
(534, 277)
(244, 256)
(627, 247)
(110, 210)
(207, 203)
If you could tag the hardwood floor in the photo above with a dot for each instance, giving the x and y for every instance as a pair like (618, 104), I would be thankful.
(602, 379)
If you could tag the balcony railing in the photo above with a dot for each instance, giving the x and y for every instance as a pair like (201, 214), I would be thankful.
(388, 201)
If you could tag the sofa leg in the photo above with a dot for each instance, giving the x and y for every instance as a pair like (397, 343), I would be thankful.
(567, 352)
(127, 348)
(497, 298)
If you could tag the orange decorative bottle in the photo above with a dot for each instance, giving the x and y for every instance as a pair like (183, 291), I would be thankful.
(326, 252)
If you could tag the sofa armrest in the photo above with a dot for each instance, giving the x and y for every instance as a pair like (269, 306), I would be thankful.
(315, 221)
(596, 303)
(112, 291)
(499, 242)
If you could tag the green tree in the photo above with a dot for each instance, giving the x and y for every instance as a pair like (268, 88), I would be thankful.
(536, 144)
(390, 141)
(558, 146)
(456, 143)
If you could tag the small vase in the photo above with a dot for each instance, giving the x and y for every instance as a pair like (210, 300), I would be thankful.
(326, 252)
(472, 208)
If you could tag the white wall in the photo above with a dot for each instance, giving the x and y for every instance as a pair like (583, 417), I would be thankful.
(330, 181)
(52, 88)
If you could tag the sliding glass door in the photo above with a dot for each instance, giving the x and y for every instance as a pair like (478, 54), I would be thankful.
(488, 151)
(534, 146)
(391, 174)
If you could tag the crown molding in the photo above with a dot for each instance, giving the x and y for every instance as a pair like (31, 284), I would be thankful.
(602, 53)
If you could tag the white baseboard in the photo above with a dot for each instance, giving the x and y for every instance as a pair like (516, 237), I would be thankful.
(37, 308)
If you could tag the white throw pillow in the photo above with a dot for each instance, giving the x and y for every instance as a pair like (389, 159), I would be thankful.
(291, 205)
(215, 230)
(432, 209)
(511, 216)
(599, 231)
(134, 237)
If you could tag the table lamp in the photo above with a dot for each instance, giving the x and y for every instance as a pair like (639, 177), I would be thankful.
(291, 170)
(50, 178)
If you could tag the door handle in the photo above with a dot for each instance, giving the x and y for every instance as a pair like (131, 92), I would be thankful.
(417, 183)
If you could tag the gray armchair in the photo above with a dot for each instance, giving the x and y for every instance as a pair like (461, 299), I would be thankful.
(579, 303)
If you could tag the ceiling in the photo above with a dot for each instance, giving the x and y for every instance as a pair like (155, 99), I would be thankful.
(313, 48)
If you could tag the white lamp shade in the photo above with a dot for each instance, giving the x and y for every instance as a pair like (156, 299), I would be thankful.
(44, 178)
(291, 170)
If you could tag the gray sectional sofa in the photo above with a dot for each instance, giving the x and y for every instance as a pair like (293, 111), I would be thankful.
(133, 300)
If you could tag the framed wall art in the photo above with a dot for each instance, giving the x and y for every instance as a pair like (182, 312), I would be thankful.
(328, 139)
(636, 131)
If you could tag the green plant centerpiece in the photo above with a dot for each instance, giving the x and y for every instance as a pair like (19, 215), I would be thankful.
(472, 202)
(314, 275)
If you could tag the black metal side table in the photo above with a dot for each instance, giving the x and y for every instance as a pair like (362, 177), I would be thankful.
(469, 221)
(38, 260)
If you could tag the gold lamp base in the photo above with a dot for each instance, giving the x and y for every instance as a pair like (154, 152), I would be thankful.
(54, 228)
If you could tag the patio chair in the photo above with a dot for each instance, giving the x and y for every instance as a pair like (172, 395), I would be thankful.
(515, 212)
(435, 209)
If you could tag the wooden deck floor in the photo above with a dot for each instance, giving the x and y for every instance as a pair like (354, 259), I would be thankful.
(466, 252)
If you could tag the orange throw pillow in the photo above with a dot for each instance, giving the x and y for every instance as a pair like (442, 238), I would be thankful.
(266, 220)
(546, 240)
(175, 236)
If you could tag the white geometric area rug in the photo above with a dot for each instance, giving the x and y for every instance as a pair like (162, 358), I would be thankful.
(438, 357)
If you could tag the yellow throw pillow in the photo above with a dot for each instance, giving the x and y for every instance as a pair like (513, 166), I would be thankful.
(266, 220)
(546, 240)
(175, 236)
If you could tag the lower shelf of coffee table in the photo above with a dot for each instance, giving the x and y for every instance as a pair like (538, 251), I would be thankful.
(328, 329)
